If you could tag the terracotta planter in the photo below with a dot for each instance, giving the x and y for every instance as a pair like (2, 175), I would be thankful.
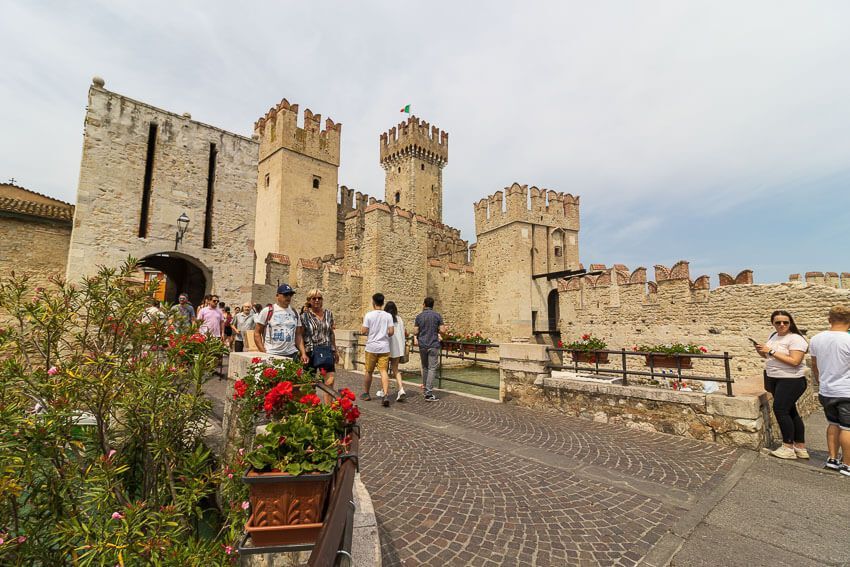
(286, 509)
(590, 357)
(666, 361)
(451, 346)
(475, 348)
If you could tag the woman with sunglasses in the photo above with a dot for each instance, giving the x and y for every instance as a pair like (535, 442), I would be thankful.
(784, 377)
(319, 338)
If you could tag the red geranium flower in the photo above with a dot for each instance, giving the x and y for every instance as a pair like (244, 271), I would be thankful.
(311, 400)
(270, 373)
(256, 359)
(239, 389)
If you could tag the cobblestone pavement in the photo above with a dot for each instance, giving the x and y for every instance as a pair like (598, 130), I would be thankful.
(470, 482)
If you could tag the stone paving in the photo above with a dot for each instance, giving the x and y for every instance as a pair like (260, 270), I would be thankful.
(470, 482)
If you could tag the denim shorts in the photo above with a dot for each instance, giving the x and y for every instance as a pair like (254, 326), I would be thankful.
(837, 411)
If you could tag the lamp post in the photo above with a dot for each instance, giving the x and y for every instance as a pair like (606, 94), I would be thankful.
(182, 225)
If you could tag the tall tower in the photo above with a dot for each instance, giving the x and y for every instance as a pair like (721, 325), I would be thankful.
(413, 156)
(298, 171)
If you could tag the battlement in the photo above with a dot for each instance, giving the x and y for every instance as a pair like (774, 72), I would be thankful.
(417, 138)
(278, 128)
(519, 203)
(829, 279)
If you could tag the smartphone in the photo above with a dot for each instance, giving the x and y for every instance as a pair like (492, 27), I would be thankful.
(755, 342)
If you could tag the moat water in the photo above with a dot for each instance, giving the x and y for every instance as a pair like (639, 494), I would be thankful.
(475, 380)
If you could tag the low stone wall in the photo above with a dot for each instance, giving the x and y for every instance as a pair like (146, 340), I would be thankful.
(740, 421)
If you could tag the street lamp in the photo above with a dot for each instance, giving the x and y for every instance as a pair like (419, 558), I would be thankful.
(182, 225)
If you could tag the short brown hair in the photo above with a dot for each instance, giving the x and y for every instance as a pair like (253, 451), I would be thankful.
(839, 314)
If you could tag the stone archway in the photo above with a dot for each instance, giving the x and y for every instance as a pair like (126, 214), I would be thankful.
(184, 274)
(553, 311)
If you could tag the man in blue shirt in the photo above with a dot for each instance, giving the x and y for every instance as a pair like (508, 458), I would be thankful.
(427, 329)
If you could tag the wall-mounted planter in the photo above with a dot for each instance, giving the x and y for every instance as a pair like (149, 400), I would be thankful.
(666, 361)
(590, 357)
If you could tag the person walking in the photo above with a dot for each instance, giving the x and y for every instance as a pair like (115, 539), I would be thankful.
(785, 378)
(278, 328)
(397, 344)
(210, 318)
(228, 328)
(378, 327)
(183, 314)
(243, 325)
(831, 366)
(427, 328)
(319, 338)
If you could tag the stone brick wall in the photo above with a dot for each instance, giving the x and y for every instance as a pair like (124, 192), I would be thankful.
(37, 248)
(109, 196)
(451, 286)
(624, 309)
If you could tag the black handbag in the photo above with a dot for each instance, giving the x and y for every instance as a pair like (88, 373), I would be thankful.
(322, 357)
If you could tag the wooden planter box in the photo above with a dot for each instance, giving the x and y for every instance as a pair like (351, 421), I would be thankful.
(475, 348)
(590, 357)
(666, 361)
(286, 509)
(452, 346)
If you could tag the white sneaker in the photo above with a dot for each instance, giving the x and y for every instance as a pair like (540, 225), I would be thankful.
(401, 396)
(380, 393)
(784, 452)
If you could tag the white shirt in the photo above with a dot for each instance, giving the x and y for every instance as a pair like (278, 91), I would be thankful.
(279, 336)
(378, 322)
(397, 340)
(784, 345)
(832, 351)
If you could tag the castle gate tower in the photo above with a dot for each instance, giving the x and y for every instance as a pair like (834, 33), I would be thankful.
(297, 179)
(413, 156)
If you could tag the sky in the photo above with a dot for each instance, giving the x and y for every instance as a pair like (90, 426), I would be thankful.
(714, 132)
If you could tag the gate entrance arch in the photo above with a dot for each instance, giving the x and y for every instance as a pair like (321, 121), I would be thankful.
(184, 274)
(554, 311)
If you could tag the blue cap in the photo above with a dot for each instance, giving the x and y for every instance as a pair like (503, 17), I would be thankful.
(285, 289)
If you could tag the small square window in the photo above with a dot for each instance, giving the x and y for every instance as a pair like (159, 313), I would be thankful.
(316, 181)
(558, 252)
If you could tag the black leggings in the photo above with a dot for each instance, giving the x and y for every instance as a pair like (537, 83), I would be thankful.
(786, 392)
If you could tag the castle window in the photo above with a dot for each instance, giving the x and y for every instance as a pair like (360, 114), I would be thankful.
(267, 181)
(422, 166)
(399, 169)
(208, 213)
(148, 181)
(316, 181)
(397, 196)
(558, 252)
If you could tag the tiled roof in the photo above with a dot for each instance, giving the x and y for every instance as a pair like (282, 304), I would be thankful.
(56, 212)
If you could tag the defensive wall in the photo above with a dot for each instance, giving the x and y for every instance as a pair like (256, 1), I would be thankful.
(141, 168)
(624, 309)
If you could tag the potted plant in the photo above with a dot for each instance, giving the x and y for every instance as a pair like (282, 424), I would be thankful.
(451, 341)
(475, 342)
(583, 350)
(252, 390)
(292, 464)
(670, 355)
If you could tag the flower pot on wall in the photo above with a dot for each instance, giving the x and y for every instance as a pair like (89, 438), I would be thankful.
(286, 509)
(668, 361)
(590, 357)
(475, 348)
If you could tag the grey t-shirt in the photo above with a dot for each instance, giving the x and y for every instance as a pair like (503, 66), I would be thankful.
(429, 323)
(244, 323)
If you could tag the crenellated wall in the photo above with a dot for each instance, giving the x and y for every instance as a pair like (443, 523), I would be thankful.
(831, 279)
(625, 309)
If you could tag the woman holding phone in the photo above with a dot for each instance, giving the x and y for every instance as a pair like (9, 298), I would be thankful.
(784, 377)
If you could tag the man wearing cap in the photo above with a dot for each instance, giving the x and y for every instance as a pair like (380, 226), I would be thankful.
(183, 312)
(278, 328)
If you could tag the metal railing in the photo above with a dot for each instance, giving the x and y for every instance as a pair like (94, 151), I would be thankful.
(334, 540)
(461, 350)
(652, 358)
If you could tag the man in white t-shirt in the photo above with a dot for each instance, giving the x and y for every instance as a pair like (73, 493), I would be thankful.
(278, 328)
(378, 328)
(831, 366)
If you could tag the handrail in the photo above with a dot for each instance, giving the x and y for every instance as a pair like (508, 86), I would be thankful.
(624, 372)
(335, 536)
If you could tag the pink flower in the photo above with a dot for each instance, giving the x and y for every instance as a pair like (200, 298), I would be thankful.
(111, 453)
(22, 539)
(245, 505)
(241, 452)
(228, 550)
(53, 371)
(117, 516)
(1, 541)
(230, 475)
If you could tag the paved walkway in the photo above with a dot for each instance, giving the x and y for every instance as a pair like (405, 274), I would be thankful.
(470, 482)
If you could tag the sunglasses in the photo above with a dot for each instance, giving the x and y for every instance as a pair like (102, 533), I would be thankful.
(319, 298)
(782, 322)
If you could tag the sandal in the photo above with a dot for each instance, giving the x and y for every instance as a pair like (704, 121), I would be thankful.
(365, 397)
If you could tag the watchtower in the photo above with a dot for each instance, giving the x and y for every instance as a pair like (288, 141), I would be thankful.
(413, 155)
(298, 171)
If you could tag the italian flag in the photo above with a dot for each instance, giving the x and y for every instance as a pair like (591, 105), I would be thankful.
(405, 109)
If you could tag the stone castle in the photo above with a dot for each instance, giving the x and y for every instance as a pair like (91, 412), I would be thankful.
(270, 208)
